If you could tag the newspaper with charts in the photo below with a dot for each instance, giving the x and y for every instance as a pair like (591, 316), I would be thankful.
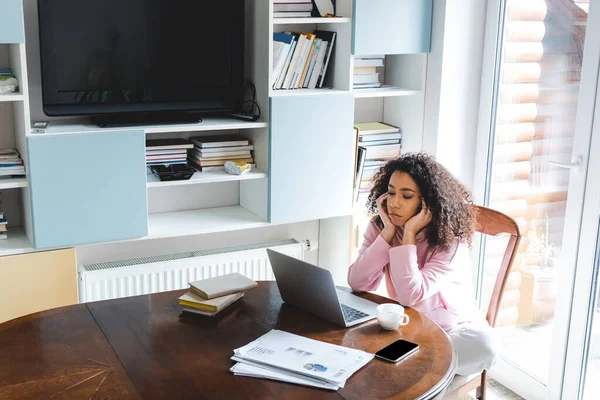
(283, 356)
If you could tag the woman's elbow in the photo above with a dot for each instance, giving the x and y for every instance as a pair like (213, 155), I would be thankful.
(355, 284)
(407, 299)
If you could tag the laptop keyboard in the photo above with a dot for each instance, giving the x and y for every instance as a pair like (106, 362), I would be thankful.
(352, 314)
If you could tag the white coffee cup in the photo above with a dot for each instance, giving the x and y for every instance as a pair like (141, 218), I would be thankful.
(391, 316)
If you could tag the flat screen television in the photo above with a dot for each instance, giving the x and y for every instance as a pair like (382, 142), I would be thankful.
(133, 57)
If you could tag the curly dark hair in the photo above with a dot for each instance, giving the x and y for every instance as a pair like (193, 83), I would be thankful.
(450, 202)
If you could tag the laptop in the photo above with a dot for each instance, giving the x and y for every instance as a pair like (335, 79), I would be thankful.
(311, 288)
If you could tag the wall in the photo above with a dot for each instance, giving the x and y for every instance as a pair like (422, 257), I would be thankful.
(143, 248)
(453, 85)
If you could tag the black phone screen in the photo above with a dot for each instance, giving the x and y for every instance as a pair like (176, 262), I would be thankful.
(396, 350)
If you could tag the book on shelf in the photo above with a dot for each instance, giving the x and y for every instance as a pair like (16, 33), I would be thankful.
(360, 163)
(377, 143)
(365, 70)
(168, 144)
(172, 151)
(282, 43)
(366, 78)
(295, 6)
(229, 149)
(292, 14)
(222, 285)
(372, 128)
(204, 142)
(219, 168)
(379, 136)
(223, 154)
(329, 37)
(368, 62)
(374, 85)
(211, 163)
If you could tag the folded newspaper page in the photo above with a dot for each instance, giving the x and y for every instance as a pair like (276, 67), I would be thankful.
(307, 357)
(252, 371)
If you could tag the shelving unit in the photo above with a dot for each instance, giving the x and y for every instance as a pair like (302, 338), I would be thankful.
(314, 20)
(297, 128)
(384, 91)
(206, 177)
(196, 222)
(14, 127)
(306, 92)
(17, 243)
(207, 124)
(13, 183)
(11, 97)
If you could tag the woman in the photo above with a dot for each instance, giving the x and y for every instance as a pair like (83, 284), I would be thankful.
(420, 241)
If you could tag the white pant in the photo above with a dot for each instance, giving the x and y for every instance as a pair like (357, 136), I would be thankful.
(476, 345)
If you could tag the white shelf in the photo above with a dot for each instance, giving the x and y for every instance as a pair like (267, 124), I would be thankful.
(197, 222)
(383, 91)
(11, 97)
(17, 243)
(11, 183)
(317, 20)
(206, 177)
(208, 124)
(306, 92)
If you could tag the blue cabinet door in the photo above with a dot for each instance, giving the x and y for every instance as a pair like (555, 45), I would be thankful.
(312, 152)
(391, 27)
(88, 187)
(11, 21)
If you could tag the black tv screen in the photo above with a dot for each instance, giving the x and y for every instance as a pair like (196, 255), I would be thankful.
(130, 56)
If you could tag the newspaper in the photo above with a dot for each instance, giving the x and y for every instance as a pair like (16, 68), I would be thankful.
(298, 358)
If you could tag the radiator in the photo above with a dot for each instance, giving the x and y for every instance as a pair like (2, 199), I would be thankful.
(116, 279)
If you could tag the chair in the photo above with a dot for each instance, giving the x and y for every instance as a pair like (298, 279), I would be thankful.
(490, 222)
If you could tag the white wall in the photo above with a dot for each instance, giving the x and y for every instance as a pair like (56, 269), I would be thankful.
(453, 85)
(144, 248)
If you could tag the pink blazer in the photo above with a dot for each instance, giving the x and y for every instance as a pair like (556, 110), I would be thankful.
(434, 282)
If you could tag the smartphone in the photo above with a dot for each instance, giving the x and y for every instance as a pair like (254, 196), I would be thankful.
(397, 351)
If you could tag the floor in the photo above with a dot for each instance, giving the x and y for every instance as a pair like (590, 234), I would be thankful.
(496, 391)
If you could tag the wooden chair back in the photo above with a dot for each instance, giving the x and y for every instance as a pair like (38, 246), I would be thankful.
(492, 222)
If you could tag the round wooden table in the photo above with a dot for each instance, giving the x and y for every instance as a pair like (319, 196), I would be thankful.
(143, 347)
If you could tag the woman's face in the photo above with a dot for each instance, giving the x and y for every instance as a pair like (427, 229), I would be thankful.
(404, 198)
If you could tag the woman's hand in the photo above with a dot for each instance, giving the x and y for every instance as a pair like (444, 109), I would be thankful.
(389, 229)
(417, 223)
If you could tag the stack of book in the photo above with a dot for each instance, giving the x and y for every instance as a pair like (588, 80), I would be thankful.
(167, 151)
(211, 296)
(365, 72)
(292, 8)
(300, 60)
(3, 227)
(210, 153)
(11, 164)
(377, 144)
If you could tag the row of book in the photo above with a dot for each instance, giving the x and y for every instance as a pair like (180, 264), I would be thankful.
(11, 164)
(204, 153)
(300, 60)
(377, 144)
(211, 296)
(365, 71)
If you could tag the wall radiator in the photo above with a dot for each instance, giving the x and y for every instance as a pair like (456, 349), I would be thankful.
(115, 279)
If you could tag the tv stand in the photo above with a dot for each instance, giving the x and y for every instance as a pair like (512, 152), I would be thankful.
(134, 119)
